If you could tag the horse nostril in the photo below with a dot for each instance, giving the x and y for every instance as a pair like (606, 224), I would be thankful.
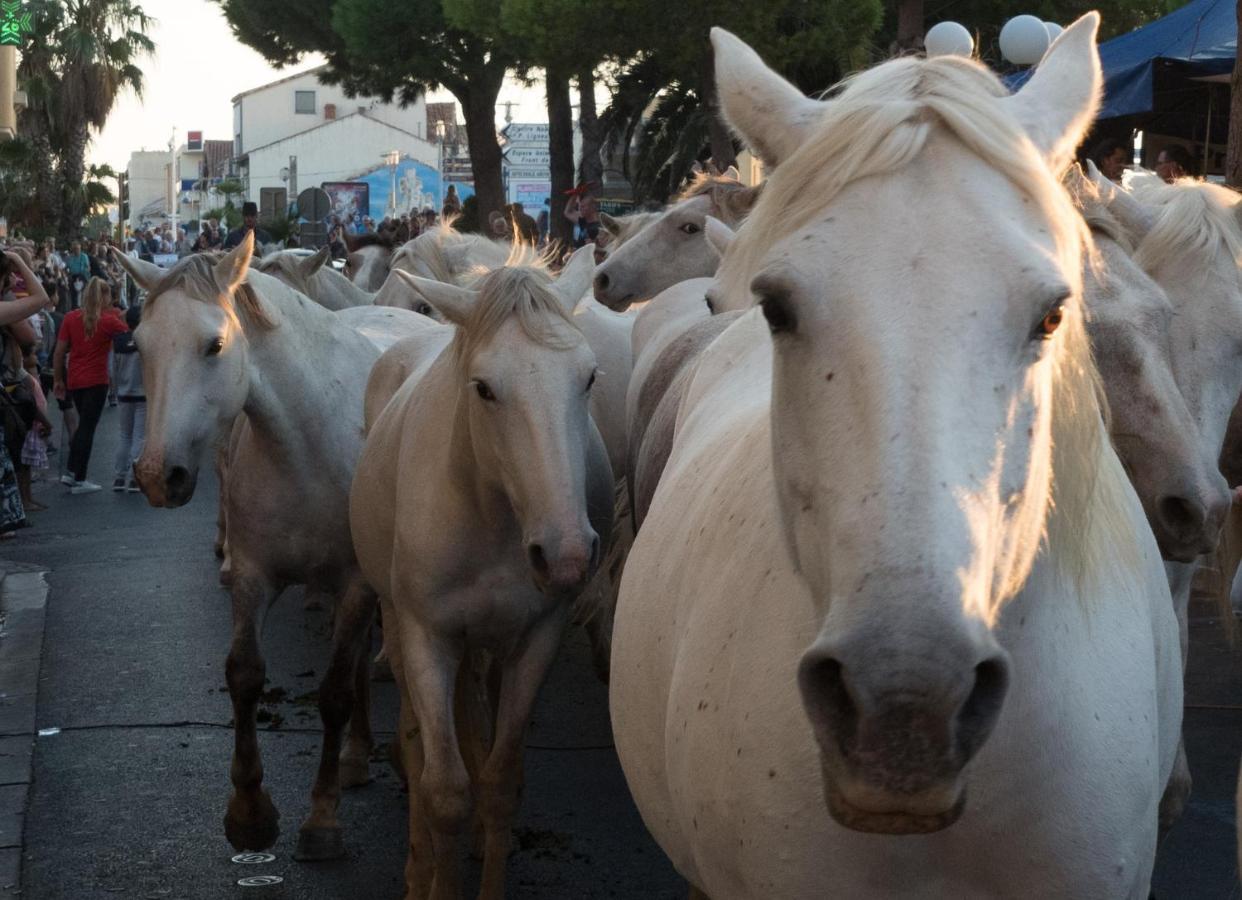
(538, 561)
(1181, 516)
(601, 281)
(177, 480)
(981, 709)
(828, 699)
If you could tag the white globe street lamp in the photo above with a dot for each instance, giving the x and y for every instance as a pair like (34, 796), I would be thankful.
(1023, 40)
(1054, 31)
(949, 39)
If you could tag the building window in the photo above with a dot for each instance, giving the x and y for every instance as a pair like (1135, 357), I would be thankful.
(304, 102)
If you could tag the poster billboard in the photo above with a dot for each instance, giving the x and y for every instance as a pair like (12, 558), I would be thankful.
(530, 194)
(351, 201)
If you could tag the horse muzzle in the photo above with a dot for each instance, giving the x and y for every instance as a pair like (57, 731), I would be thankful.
(562, 566)
(166, 486)
(897, 731)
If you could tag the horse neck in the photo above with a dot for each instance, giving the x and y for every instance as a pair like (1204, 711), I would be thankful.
(299, 369)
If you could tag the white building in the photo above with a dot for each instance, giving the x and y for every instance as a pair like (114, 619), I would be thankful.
(147, 180)
(331, 135)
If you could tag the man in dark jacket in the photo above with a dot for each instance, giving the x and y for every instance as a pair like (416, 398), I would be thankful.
(250, 222)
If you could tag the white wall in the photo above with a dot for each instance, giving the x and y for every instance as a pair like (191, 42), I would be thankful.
(148, 181)
(268, 115)
(336, 152)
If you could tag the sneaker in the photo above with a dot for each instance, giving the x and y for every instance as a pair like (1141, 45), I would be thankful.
(133, 487)
(118, 484)
(85, 487)
(68, 480)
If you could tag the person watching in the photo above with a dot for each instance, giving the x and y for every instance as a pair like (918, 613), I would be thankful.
(250, 222)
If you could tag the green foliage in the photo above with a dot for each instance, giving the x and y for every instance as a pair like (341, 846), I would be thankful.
(281, 228)
(659, 96)
(229, 188)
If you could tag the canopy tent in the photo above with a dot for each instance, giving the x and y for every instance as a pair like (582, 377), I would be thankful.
(1165, 78)
(1197, 41)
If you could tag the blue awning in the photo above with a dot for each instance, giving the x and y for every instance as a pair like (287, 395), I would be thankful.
(1201, 38)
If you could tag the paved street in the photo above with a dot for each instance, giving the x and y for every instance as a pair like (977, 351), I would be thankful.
(128, 796)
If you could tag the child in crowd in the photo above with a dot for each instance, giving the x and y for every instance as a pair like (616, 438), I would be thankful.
(127, 377)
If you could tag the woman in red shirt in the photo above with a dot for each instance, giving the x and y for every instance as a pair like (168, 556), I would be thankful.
(86, 336)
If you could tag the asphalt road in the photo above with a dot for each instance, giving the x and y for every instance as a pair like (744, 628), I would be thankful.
(129, 795)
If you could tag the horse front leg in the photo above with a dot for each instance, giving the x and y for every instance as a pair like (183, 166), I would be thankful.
(430, 663)
(251, 820)
(320, 836)
(500, 782)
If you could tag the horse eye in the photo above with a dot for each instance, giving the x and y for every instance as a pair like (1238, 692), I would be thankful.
(215, 347)
(424, 309)
(484, 392)
(591, 380)
(711, 304)
(1051, 322)
(690, 228)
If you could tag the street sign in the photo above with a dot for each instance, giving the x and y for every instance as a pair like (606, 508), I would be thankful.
(528, 156)
(516, 133)
(14, 22)
(314, 204)
(536, 172)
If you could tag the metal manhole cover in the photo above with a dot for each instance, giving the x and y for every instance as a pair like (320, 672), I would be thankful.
(250, 859)
(260, 881)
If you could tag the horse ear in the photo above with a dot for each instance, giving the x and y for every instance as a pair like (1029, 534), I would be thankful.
(733, 173)
(766, 111)
(611, 225)
(1133, 216)
(313, 264)
(453, 302)
(719, 235)
(1058, 103)
(146, 275)
(576, 277)
(231, 270)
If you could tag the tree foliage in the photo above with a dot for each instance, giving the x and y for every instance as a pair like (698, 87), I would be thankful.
(79, 58)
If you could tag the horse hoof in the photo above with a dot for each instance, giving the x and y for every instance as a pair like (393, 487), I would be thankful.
(319, 844)
(252, 824)
(355, 772)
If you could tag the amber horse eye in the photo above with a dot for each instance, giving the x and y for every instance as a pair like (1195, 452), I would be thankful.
(1052, 322)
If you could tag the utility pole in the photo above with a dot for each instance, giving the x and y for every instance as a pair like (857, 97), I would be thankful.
(293, 178)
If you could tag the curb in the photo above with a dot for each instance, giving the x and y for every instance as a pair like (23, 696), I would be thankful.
(23, 603)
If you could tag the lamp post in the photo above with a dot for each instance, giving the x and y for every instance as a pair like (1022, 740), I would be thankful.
(440, 164)
(174, 195)
(393, 158)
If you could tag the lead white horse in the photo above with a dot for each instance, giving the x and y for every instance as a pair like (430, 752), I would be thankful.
(478, 511)
(894, 579)
(221, 343)
(312, 276)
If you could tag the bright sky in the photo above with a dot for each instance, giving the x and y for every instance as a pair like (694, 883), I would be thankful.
(198, 68)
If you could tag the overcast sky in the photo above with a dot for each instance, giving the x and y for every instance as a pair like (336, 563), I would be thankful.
(197, 69)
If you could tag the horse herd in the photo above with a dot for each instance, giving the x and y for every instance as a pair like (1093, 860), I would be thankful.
(881, 511)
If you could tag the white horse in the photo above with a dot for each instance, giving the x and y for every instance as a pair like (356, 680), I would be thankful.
(893, 553)
(445, 254)
(311, 276)
(478, 509)
(369, 260)
(673, 246)
(218, 340)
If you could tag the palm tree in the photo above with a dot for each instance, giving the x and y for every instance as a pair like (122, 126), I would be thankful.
(100, 43)
(97, 194)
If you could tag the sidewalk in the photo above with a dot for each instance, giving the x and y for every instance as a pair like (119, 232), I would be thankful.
(23, 600)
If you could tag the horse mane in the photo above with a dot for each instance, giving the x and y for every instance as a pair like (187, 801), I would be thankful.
(731, 200)
(355, 242)
(524, 291)
(628, 226)
(1094, 209)
(195, 276)
(1190, 217)
(879, 121)
(430, 248)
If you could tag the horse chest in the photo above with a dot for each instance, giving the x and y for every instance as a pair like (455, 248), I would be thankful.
(492, 609)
